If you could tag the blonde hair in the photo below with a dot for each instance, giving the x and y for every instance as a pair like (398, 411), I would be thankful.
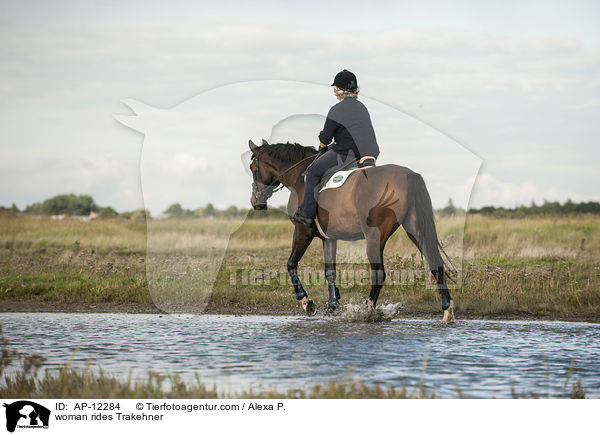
(344, 93)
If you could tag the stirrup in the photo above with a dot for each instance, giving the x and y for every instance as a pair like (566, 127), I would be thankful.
(366, 161)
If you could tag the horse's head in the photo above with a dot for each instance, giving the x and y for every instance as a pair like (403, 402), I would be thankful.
(264, 176)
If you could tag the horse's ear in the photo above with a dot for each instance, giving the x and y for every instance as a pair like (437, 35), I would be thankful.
(264, 142)
(252, 146)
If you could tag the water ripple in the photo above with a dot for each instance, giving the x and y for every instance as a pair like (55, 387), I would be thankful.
(479, 358)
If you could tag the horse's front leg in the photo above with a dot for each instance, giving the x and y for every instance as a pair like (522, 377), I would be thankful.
(329, 251)
(300, 242)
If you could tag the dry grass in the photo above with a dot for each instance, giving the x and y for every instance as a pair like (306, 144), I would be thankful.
(543, 237)
(511, 267)
(34, 233)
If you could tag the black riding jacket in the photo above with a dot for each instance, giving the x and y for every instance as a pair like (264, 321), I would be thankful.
(349, 123)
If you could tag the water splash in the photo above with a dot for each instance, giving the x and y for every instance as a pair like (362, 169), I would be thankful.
(362, 313)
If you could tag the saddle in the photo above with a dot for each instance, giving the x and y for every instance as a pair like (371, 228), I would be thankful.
(338, 177)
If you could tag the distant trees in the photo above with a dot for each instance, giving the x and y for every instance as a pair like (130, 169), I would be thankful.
(107, 212)
(450, 209)
(83, 205)
(76, 205)
(70, 204)
(231, 211)
(176, 210)
(210, 211)
(11, 209)
(136, 215)
(547, 208)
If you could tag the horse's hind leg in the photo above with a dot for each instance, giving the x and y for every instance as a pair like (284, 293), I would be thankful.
(300, 243)
(329, 251)
(381, 224)
(436, 266)
(375, 245)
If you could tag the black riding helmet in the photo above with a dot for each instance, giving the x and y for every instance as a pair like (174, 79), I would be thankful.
(345, 80)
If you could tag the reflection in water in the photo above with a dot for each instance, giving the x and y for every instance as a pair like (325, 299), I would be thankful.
(481, 358)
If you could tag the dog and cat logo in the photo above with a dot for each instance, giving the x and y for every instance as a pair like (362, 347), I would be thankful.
(25, 414)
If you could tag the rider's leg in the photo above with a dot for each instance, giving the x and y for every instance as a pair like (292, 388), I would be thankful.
(314, 174)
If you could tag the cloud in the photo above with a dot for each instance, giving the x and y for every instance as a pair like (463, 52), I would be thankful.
(193, 150)
(491, 93)
(491, 190)
(185, 163)
(108, 180)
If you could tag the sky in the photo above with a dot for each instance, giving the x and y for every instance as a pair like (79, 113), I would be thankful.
(514, 83)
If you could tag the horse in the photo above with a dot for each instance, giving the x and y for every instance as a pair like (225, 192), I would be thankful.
(372, 204)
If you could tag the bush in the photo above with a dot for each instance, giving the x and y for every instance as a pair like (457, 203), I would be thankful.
(70, 204)
(136, 215)
(176, 210)
(107, 212)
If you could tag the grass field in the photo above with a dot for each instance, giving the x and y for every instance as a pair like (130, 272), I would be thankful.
(538, 267)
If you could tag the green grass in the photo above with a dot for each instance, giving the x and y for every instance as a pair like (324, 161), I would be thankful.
(543, 267)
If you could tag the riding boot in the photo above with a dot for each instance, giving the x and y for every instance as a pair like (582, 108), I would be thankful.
(306, 221)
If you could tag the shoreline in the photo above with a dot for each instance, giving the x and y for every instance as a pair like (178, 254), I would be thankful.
(141, 308)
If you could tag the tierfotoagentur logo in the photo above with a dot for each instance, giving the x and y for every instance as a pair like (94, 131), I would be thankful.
(191, 155)
(25, 414)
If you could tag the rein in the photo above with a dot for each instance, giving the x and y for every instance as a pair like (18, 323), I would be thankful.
(280, 176)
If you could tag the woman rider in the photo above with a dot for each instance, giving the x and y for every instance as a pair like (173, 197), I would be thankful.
(349, 126)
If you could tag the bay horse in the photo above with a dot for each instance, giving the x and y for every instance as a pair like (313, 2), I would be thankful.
(371, 204)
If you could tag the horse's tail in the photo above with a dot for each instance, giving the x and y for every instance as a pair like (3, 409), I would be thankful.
(420, 202)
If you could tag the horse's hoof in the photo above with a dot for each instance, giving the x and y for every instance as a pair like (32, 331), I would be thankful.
(332, 307)
(448, 317)
(309, 306)
(449, 314)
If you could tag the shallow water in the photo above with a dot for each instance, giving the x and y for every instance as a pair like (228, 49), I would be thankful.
(481, 358)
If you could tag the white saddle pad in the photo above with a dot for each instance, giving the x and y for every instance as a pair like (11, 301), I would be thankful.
(338, 179)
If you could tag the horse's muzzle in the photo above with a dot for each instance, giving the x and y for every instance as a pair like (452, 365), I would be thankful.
(259, 197)
(258, 203)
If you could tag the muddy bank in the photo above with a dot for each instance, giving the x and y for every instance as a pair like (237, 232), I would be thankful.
(140, 308)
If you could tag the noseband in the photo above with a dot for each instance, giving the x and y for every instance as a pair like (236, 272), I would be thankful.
(268, 190)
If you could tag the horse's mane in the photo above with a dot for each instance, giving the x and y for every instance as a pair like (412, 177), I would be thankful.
(287, 152)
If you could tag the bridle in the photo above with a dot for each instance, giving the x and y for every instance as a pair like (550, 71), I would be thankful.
(268, 190)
